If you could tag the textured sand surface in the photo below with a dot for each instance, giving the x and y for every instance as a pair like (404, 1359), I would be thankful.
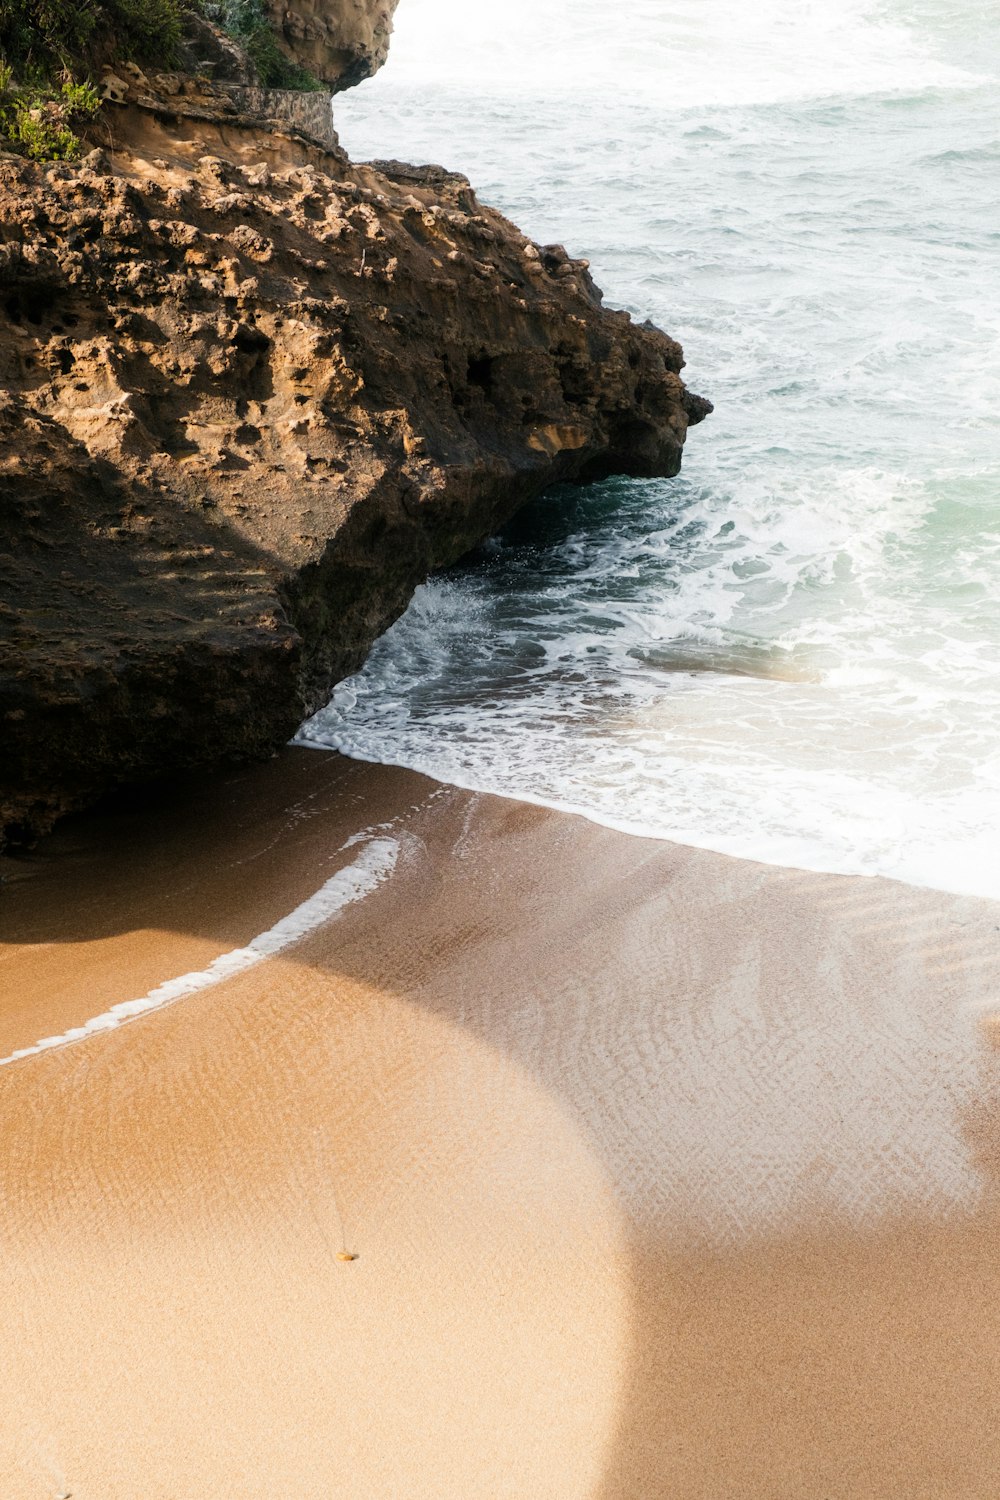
(668, 1175)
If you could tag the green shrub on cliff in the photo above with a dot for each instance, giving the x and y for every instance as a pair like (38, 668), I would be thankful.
(148, 31)
(247, 22)
(39, 122)
(43, 43)
(39, 38)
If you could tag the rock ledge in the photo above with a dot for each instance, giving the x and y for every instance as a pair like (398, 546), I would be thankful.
(250, 396)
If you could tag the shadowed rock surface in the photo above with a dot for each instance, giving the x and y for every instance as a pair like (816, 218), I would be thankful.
(250, 396)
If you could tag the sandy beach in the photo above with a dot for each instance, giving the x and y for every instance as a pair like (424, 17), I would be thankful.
(667, 1175)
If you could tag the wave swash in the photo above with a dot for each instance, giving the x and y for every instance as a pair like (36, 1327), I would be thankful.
(790, 653)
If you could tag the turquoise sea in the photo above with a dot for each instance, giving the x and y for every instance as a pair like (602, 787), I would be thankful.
(792, 652)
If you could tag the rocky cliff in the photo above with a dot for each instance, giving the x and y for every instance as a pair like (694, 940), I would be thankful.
(250, 395)
(339, 41)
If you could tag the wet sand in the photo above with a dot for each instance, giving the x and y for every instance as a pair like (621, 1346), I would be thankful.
(668, 1175)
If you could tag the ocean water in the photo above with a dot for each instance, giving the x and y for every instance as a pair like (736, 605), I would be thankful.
(792, 652)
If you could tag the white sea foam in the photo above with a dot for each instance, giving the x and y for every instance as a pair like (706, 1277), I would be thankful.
(727, 53)
(791, 652)
(374, 864)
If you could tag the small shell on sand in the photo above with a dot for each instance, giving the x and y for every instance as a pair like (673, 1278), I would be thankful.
(346, 1255)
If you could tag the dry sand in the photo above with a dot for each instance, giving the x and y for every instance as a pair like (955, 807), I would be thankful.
(669, 1175)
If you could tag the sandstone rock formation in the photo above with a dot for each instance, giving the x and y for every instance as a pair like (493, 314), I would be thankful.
(250, 395)
(338, 41)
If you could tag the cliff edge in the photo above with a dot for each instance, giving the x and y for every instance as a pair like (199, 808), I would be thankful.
(341, 42)
(250, 396)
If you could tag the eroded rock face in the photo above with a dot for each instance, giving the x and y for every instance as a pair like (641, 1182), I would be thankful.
(251, 396)
(340, 42)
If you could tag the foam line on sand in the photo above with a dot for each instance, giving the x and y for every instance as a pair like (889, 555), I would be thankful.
(375, 863)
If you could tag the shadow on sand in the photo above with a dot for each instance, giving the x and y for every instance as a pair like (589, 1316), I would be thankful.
(798, 1134)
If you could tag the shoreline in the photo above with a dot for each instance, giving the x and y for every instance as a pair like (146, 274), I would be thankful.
(668, 1174)
(683, 838)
